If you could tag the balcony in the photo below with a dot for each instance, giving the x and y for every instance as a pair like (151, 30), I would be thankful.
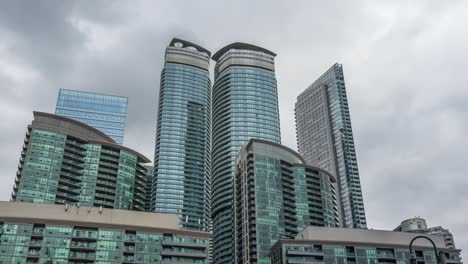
(68, 190)
(82, 246)
(113, 179)
(34, 253)
(130, 237)
(84, 236)
(82, 257)
(128, 259)
(169, 242)
(385, 255)
(37, 232)
(166, 252)
(129, 249)
(35, 243)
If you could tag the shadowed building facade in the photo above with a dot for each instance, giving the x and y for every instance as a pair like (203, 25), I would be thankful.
(245, 106)
(325, 139)
(64, 161)
(181, 183)
(276, 195)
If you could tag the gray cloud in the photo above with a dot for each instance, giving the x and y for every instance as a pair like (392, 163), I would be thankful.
(404, 62)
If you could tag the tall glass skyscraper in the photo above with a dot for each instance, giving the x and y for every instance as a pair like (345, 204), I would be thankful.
(325, 139)
(245, 106)
(181, 182)
(107, 113)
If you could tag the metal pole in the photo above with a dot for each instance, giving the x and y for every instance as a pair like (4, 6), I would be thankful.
(413, 256)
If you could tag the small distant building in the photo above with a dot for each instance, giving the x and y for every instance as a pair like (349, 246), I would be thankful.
(331, 245)
(47, 233)
(418, 225)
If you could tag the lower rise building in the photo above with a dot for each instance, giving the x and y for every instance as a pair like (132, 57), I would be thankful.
(47, 233)
(276, 195)
(358, 246)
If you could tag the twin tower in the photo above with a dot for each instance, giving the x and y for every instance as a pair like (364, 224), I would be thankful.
(201, 129)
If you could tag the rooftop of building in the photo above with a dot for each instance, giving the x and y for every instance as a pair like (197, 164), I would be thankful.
(362, 237)
(72, 127)
(252, 141)
(317, 83)
(92, 217)
(93, 93)
(240, 46)
(187, 44)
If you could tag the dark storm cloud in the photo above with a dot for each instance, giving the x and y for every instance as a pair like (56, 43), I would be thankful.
(404, 62)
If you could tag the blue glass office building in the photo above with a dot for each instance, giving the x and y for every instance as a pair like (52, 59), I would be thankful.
(245, 106)
(181, 179)
(108, 113)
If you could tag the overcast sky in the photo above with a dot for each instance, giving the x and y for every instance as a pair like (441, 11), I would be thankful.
(405, 66)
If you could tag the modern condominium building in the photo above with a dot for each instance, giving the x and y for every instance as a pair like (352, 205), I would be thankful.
(245, 106)
(181, 183)
(359, 246)
(325, 139)
(64, 161)
(276, 195)
(44, 233)
(108, 113)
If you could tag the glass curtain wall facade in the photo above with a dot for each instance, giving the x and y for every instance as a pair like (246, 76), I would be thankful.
(181, 183)
(64, 161)
(245, 106)
(325, 139)
(276, 195)
(107, 113)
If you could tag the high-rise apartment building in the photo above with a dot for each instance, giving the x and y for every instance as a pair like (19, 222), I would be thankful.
(108, 113)
(362, 246)
(64, 161)
(418, 225)
(245, 106)
(276, 195)
(45, 233)
(181, 183)
(325, 139)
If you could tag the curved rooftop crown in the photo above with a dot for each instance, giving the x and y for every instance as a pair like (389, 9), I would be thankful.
(291, 151)
(241, 46)
(186, 44)
(74, 128)
(262, 141)
(69, 126)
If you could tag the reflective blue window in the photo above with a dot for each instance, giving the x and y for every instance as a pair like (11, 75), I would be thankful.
(107, 113)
